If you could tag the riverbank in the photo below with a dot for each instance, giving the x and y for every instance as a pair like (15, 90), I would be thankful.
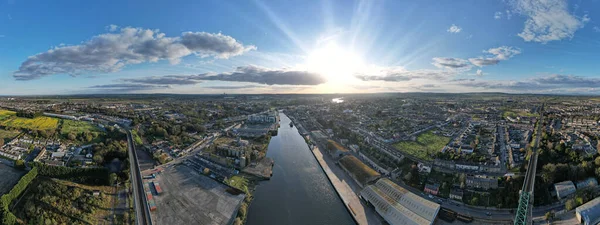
(299, 191)
(346, 190)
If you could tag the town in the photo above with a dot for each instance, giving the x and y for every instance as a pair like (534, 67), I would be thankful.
(430, 158)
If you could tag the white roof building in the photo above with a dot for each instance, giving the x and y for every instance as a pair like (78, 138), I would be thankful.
(564, 189)
(399, 206)
(589, 213)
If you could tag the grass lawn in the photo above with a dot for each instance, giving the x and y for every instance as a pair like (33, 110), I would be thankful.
(77, 127)
(9, 119)
(51, 201)
(426, 145)
(8, 135)
(239, 182)
(514, 114)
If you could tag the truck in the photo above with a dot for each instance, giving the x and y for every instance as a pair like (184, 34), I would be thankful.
(157, 188)
(151, 176)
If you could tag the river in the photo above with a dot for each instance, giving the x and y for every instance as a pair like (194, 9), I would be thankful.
(299, 192)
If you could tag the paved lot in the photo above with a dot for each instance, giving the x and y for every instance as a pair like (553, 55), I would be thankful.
(348, 190)
(8, 178)
(191, 198)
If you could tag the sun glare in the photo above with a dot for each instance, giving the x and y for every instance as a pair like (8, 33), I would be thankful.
(336, 64)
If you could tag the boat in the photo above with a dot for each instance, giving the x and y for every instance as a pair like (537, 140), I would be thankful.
(291, 124)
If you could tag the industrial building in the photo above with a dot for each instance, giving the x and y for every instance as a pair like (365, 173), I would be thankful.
(564, 189)
(589, 213)
(398, 205)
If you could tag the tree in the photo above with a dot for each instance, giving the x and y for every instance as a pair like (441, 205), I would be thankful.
(570, 204)
(112, 178)
(20, 164)
(597, 161)
(474, 201)
(72, 136)
(549, 216)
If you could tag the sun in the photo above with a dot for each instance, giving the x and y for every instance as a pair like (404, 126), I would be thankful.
(334, 63)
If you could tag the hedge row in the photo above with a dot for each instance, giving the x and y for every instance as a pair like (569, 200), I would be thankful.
(17, 190)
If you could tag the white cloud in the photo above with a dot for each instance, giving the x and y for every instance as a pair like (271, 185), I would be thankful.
(597, 29)
(504, 52)
(547, 20)
(454, 29)
(508, 14)
(586, 18)
(498, 15)
(450, 63)
(556, 83)
(111, 52)
(399, 74)
(112, 28)
(496, 55)
(479, 73)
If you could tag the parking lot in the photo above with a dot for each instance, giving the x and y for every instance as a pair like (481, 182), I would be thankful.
(191, 198)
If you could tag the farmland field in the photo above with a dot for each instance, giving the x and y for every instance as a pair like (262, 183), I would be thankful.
(77, 127)
(9, 119)
(426, 145)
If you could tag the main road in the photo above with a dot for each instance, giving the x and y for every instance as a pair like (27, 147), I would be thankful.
(141, 205)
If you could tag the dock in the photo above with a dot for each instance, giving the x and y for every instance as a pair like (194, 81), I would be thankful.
(361, 214)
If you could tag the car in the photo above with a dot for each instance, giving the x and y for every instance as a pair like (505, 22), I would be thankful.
(488, 213)
(430, 196)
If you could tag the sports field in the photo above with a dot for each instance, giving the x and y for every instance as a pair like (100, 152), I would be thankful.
(9, 119)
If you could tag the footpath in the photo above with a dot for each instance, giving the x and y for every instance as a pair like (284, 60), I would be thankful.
(341, 183)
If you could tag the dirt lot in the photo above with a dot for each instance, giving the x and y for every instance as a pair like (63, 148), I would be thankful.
(10, 176)
(191, 198)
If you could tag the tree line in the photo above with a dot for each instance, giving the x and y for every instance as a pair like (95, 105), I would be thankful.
(8, 218)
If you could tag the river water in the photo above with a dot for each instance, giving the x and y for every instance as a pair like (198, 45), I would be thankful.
(299, 193)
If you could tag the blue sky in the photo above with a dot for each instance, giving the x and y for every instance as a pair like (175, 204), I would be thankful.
(517, 46)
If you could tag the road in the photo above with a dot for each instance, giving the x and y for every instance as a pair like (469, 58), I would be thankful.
(141, 206)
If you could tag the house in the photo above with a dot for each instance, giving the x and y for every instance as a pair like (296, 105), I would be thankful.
(433, 189)
(456, 194)
(482, 182)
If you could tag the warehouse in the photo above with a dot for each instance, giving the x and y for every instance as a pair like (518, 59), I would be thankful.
(589, 213)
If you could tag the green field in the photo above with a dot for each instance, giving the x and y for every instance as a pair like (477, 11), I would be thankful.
(8, 135)
(77, 127)
(238, 182)
(51, 201)
(9, 119)
(426, 145)
(514, 114)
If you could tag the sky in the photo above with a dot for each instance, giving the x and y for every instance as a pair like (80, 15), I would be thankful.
(328, 46)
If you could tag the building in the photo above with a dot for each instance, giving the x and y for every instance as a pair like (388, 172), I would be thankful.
(433, 189)
(456, 194)
(482, 182)
(589, 213)
(564, 189)
(398, 205)
(587, 183)
(262, 118)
